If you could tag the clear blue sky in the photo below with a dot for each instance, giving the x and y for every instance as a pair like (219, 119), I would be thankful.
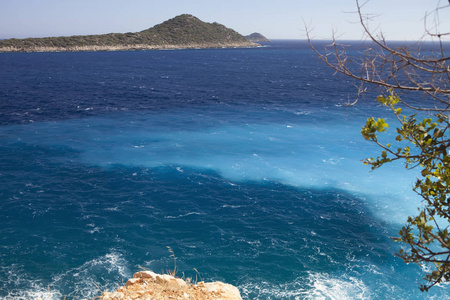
(282, 19)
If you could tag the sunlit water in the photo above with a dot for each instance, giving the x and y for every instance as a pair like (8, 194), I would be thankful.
(246, 162)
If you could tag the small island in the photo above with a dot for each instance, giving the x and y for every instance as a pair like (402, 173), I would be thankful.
(257, 38)
(182, 32)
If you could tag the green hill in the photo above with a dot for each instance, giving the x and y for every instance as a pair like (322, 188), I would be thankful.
(184, 31)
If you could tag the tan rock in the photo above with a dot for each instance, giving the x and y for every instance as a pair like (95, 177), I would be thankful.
(147, 285)
(226, 291)
(132, 281)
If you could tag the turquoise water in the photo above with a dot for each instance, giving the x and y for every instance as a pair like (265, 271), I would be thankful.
(246, 162)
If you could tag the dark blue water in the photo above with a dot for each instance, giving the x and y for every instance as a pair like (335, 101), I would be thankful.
(244, 161)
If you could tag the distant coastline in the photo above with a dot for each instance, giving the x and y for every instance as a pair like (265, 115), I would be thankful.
(181, 32)
(125, 47)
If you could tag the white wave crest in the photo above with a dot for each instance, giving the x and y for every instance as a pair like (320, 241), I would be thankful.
(81, 282)
(316, 286)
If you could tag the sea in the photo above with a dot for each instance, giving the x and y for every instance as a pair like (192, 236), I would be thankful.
(234, 165)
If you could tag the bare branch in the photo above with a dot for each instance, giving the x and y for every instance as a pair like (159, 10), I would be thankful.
(408, 72)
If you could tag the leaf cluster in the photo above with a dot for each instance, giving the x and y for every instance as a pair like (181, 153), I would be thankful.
(429, 241)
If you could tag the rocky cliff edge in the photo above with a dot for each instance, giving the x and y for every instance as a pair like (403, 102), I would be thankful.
(147, 285)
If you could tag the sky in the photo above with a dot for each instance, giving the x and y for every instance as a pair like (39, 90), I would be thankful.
(275, 19)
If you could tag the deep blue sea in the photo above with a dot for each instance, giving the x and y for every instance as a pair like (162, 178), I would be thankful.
(245, 162)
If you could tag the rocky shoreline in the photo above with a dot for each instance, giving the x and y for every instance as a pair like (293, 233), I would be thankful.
(126, 47)
(147, 285)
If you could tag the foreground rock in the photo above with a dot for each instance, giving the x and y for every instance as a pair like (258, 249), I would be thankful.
(149, 286)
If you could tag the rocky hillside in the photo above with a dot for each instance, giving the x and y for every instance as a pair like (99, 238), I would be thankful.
(184, 31)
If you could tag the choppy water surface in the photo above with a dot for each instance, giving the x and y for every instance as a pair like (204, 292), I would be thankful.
(244, 161)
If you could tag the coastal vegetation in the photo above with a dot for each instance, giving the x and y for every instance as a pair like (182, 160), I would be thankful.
(184, 31)
(422, 142)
